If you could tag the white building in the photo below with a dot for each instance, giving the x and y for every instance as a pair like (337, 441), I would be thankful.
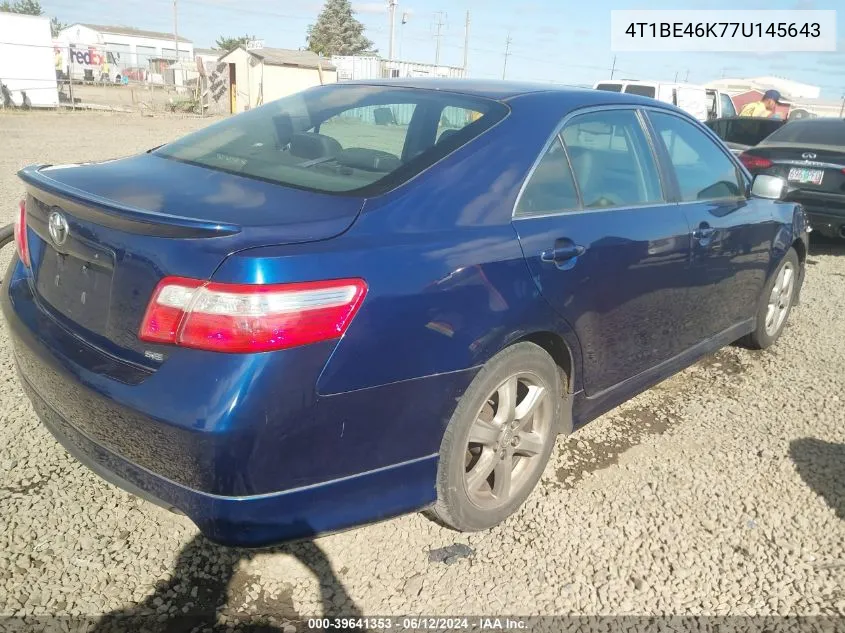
(351, 67)
(27, 64)
(259, 76)
(789, 89)
(128, 51)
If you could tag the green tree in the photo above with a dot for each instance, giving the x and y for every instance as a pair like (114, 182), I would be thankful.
(231, 43)
(31, 7)
(337, 32)
(56, 26)
(27, 7)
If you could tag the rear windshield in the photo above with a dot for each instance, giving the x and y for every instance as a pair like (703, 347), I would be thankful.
(811, 132)
(609, 87)
(643, 91)
(340, 138)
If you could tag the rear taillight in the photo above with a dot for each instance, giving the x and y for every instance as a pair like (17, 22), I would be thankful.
(21, 241)
(755, 162)
(249, 318)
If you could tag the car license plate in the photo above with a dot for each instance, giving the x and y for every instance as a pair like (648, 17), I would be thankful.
(78, 289)
(801, 175)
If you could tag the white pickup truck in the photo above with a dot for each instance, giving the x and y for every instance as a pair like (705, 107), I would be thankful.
(705, 104)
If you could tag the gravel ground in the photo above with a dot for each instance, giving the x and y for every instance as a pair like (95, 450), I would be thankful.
(721, 491)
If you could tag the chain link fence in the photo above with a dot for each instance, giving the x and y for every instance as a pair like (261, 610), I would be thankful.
(103, 77)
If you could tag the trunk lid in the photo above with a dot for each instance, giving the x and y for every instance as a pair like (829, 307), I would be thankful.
(123, 225)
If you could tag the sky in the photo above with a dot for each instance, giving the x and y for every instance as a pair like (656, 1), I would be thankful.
(559, 41)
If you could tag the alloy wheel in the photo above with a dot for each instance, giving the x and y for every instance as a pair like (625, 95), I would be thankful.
(780, 299)
(506, 440)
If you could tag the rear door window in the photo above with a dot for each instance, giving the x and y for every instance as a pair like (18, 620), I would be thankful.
(341, 138)
(613, 163)
(609, 87)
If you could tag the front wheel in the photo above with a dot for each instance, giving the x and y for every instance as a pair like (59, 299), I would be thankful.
(776, 304)
(499, 439)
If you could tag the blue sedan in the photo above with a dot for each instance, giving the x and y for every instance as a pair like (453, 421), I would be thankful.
(368, 299)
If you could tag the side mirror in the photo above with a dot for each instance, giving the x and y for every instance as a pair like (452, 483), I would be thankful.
(770, 187)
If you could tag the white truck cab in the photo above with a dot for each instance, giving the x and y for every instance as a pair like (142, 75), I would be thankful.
(702, 103)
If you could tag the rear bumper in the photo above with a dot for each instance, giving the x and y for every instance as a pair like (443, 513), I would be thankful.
(242, 444)
(831, 225)
(826, 213)
(258, 520)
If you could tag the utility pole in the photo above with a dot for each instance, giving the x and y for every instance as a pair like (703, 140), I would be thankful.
(686, 77)
(439, 15)
(466, 44)
(842, 109)
(676, 77)
(507, 54)
(391, 7)
(613, 67)
(175, 36)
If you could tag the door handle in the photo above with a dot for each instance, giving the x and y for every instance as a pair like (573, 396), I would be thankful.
(563, 251)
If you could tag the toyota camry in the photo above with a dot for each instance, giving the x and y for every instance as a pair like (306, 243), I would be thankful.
(367, 299)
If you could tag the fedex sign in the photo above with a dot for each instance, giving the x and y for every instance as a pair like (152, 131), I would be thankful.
(90, 57)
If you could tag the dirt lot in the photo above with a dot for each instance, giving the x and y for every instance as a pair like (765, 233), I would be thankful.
(721, 491)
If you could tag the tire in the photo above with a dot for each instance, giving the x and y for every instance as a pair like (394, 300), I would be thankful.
(778, 296)
(481, 432)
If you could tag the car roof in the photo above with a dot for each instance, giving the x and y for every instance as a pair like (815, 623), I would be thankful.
(506, 90)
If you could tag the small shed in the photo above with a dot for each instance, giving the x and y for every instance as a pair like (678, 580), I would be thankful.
(27, 61)
(266, 74)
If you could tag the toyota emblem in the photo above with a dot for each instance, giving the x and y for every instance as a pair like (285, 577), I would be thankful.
(808, 156)
(57, 226)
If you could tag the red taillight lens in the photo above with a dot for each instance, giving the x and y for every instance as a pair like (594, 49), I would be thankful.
(21, 242)
(249, 318)
(755, 162)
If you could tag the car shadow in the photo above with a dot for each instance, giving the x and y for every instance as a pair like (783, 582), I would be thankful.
(823, 245)
(205, 584)
(822, 467)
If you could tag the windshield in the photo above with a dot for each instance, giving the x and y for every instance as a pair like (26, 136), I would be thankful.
(811, 132)
(340, 138)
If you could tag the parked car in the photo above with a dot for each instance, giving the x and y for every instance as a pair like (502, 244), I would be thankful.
(296, 320)
(742, 133)
(810, 155)
(703, 103)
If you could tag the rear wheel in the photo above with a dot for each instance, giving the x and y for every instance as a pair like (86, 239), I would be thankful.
(776, 303)
(499, 439)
